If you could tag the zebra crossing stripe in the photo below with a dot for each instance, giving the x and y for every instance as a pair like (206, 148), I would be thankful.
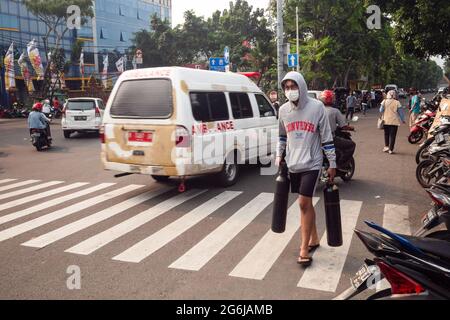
(146, 247)
(51, 203)
(206, 249)
(396, 219)
(325, 272)
(59, 214)
(18, 184)
(257, 263)
(7, 180)
(60, 233)
(41, 195)
(96, 242)
(30, 189)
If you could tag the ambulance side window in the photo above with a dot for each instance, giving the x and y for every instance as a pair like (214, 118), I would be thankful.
(265, 109)
(209, 106)
(241, 106)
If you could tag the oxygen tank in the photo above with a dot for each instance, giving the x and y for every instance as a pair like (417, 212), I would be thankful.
(280, 201)
(333, 215)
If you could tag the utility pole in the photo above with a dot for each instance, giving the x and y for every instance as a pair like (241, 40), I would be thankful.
(298, 57)
(280, 42)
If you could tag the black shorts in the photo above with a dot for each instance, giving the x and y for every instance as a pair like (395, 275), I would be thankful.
(304, 183)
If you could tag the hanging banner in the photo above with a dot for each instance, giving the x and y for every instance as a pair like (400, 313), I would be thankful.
(119, 65)
(105, 71)
(10, 80)
(26, 73)
(35, 59)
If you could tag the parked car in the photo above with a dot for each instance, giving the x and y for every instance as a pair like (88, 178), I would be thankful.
(165, 122)
(390, 87)
(402, 93)
(314, 94)
(441, 90)
(82, 115)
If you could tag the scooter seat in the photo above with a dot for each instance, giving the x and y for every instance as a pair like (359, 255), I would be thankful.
(440, 248)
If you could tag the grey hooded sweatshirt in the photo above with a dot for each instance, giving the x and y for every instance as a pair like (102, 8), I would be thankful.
(304, 131)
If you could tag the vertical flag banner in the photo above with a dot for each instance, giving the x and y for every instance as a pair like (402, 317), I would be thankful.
(82, 68)
(25, 73)
(10, 81)
(35, 59)
(105, 71)
(119, 65)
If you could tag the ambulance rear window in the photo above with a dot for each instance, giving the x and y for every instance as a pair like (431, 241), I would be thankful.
(143, 98)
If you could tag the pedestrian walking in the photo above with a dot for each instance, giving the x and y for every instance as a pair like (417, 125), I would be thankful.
(304, 136)
(351, 104)
(392, 115)
(414, 107)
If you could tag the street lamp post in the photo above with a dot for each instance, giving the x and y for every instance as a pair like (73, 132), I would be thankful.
(298, 57)
(280, 42)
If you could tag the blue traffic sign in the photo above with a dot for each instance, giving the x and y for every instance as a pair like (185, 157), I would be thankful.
(292, 60)
(226, 55)
(217, 64)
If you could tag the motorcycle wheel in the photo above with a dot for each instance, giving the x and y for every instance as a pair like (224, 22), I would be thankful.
(350, 172)
(422, 154)
(415, 137)
(422, 175)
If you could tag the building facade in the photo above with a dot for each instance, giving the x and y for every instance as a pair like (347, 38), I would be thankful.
(110, 31)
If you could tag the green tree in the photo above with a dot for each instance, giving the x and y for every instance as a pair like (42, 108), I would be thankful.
(421, 26)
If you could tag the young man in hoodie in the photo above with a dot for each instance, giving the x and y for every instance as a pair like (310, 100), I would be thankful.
(304, 131)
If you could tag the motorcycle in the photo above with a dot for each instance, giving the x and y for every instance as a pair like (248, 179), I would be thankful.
(40, 139)
(421, 126)
(345, 173)
(435, 167)
(423, 153)
(415, 268)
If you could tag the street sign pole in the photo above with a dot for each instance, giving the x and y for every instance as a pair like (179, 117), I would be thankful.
(296, 19)
(280, 42)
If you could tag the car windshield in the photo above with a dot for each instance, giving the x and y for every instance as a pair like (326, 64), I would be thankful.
(81, 105)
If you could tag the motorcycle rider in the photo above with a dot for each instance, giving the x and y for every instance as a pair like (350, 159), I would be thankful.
(37, 120)
(345, 148)
(46, 108)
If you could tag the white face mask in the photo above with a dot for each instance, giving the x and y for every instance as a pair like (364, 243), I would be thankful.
(292, 95)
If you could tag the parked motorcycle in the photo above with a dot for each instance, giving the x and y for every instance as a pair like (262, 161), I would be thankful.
(421, 126)
(432, 169)
(416, 268)
(423, 153)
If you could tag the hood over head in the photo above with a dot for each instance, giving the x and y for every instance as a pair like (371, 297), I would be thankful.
(301, 83)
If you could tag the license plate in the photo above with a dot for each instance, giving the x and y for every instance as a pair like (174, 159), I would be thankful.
(361, 276)
(80, 118)
(140, 136)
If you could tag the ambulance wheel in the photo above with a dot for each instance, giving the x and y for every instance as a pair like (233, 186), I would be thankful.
(230, 172)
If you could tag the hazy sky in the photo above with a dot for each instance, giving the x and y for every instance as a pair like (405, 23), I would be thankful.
(206, 7)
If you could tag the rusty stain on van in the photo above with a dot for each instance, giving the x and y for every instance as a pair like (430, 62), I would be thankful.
(184, 87)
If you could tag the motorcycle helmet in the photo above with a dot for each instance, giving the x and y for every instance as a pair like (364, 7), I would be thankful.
(37, 106)
(327, 97)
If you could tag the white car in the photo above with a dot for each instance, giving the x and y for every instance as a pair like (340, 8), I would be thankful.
(441, 90)
(314, 94)
(82, 115)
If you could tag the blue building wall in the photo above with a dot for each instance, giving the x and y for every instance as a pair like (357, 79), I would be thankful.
(112, 32)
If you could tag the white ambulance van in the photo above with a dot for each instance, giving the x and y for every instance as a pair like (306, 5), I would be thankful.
(182, 122)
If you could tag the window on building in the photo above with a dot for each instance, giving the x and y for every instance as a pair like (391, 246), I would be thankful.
(209, 106)
(7, 21)
(123, 36)
(24, 26)
(103, 33)
(240, 104)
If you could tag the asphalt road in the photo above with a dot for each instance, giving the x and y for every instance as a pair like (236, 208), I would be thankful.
(201, 240)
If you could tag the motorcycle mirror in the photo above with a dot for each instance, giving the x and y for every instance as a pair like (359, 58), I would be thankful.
(355, 119)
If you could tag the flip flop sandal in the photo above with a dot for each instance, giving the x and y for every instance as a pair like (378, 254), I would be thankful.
(313, 248)
(304, 261)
